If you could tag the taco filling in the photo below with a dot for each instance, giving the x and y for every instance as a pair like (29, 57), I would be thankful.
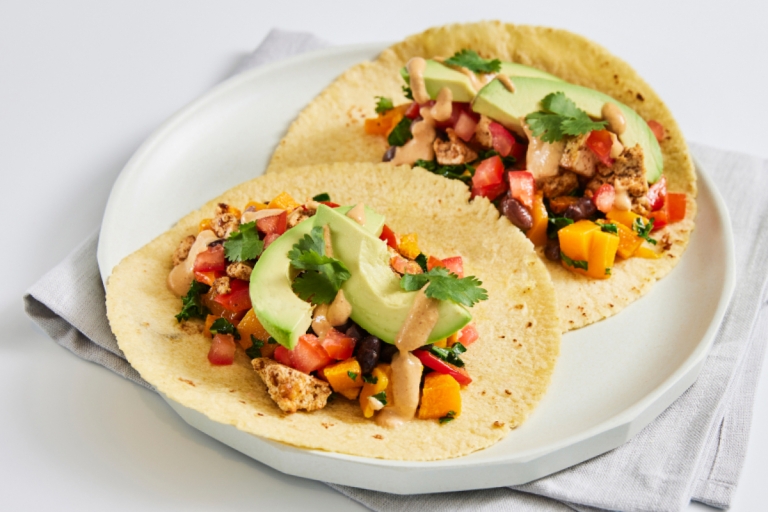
(580, 173)
(327, 301)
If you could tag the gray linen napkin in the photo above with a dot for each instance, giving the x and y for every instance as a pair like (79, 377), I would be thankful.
(693, 451)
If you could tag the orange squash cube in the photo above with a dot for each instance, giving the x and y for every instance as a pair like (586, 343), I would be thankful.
(382, 373)
(205, 224)
(624, 217)
(339, 375)
(350, 394)
(628, 241)
(602, 254)
(647, 252)
(576, 239)
(385, 122)
(250, 325)
(409, 246)
(441, 395)
(284, 201)
(208, 323)
(538, 232)
(256, 206)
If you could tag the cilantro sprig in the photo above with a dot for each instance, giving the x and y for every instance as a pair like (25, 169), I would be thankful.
(381, 397)
(445, 285)
(407, 92)
(584, 265)
(560, 117)
(352, 375)
(191, 304)
(401, 133)
(450, 416)
(244, 244)
(609, 228)
(383, 104)
(643, 230)
(322, 275)
(462, 172)
(472, 61)
(254, 350)
(224, 326)
(370, 379)
(450, 355)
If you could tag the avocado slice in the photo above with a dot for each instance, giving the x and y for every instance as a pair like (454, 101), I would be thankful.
(283, 314)
(438, 75)
(379, 305)
(509, 108)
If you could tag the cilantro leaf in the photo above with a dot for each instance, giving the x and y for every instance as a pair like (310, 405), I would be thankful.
(407, 92)
(381, 397)
(352, 375)
(224, 326)
(560, 117)
(472, 61)
(444, 285)
(254, 350)
(644, 230)
(323, 275)
(609, 228)
(314, 287)
(401, 133)
(463, 172)
(191, 304)
(370, 379)
(450, 355)
(584, 265)
(607, 271)
(383, 104)
(422, 261)
(312, 242)
(448, 417)
(322, 197)
(244, 244)
(560, 222)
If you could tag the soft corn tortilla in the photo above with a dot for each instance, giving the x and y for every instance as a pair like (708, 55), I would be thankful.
(511, 363)
(330, 129)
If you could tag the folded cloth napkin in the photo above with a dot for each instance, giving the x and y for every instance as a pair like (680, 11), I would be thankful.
(692, 451)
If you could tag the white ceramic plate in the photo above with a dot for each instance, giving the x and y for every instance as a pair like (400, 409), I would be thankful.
(612, 378)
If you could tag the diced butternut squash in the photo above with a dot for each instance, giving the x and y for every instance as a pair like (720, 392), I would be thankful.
(350, 394)
(576, 239)
(625, 217)
(382, 374)
(250, 325)
(538, 232)
(441, 395)
(284, 201)
(587, 249)
(386, 121)
(441, 343)
(409, 246)
(628, 241)
(256, 206)
(647, 252)
(452, 339)
(205, 224)
(208, 323)
(602, 254)
(340, 375)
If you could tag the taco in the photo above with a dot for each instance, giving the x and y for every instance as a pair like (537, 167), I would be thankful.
(182, 313)
(567, 140)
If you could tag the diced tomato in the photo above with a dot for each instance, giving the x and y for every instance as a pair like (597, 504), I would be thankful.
(522, 186)
(283, 356)
(270, 238)
(488, 180)
(455, 264)
(604, 197)
(207, 277)
(222, 350)
(330, 204)
(308, 355)
(433, 262)
(465, 126)
(211, 260)
(468, 335)
(412, 112)
(503, 141)
(675, 207)
(238, 299)
(657, 194)
(658, 130)
(218, 310)
(433, 362)
(600, 142)
(456, 110)
(273, 223)
(659, 219)
(389, 236)
(338, 346)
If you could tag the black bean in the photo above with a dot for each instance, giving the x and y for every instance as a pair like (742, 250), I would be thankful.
(387, 351)
(390, 154)
(367, 353)
(356, 332)
(584, 208)
(216, 242)
(517, 214)
(552, 249)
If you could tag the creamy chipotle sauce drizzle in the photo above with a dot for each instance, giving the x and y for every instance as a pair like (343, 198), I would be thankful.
(406, 368)
(621, 200)
(181, 276)
(357, 214)
(615, 117)
(261, 214)
(506, 82)
(339, 310)
(443, 107)
(542, 158)
(420, 146)
(416, 67)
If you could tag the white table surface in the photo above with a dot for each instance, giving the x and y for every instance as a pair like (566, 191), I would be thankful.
(83, 83)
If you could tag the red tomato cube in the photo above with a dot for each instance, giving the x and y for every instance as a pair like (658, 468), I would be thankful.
(468, 335)
(488, 180)
(522, 186)
(308, 355)
(675, 207)
(503, 141)
(222, 350)
(211, 260)
(604, 197)
(238, 299)
(455, 264)
(283, 356)
(273, 224)
(338, 345)
(657, 194)
(600, 142)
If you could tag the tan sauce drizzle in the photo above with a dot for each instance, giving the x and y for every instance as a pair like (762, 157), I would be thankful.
(615, 117)
(261, 214)
(616, 147)
(357, 214)
(506, 82)
(621, 200)
(406, 368)
(327, 240)
(181, 276)
(542, 158)
(420, 146)
(320, 323)
(443, 107)
(339, 310)
(416, 67)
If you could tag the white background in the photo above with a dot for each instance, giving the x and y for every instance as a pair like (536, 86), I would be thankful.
(83, 83)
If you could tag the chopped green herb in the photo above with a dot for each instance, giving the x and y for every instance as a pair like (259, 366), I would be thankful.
(609, 228)
(560, 117)
(370, 379)
(271, 341)
(191, 304)
(352, 375)
(448, 417)
(463, 172)
(450, 355)
(574, 263)
(407, 92)
(322, 197)
(381, 397)
(421, 259)
(323, 275)
(331, 397)
(472, 61)
(644, 230)
(508, 160)
(560, 222)
(224, 326)
(401, 133)
(244, 244)
(445, 285)
(254, 350)
(383, 104)
(607, 271)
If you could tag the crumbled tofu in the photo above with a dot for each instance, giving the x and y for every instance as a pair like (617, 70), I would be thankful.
(291, 389)
(578, 158)
(182, 251)
(239, 270)
(483, 132)
(296, 216)
(453, 151)
(559, 185)
(225, 222)
(627, 172)
(221, 285)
